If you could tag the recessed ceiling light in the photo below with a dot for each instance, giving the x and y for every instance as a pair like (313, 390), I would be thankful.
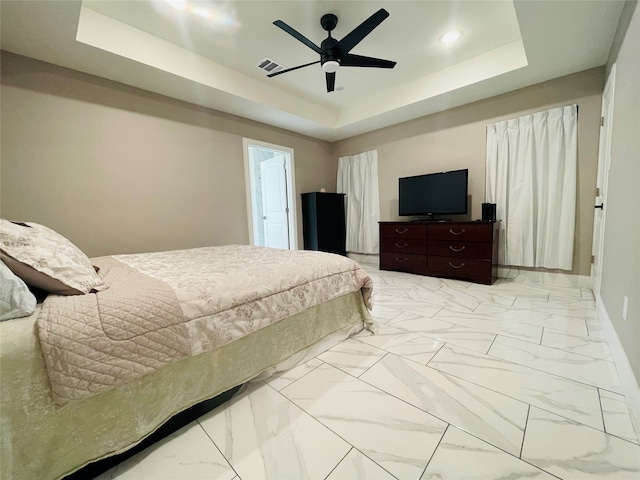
(177, 4)
(201, 12)
(217, 16)
(451, 36)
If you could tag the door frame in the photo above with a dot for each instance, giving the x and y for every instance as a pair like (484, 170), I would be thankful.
(250, 188)
(602, 180)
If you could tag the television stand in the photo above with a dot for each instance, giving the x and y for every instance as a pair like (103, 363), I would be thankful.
(466, 250)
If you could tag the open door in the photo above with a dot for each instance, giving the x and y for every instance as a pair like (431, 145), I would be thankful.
(271, 196)
(275, 212)
(604, 165)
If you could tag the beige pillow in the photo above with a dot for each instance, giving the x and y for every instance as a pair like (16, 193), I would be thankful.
(47, 260)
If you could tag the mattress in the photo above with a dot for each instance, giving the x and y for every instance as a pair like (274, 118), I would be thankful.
(164, 306)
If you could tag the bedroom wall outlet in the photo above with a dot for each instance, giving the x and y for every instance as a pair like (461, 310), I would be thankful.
(625, 306)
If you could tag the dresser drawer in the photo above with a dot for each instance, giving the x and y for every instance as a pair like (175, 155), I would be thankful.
(403, 245)
(400, 230)
(459, 267)
(462, 232)
(405, 262)
(460, 249)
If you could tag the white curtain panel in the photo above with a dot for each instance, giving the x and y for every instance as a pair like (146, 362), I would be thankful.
(531, 177)
(358, 178)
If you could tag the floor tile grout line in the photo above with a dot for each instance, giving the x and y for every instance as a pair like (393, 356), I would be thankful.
(442, 419)
(509, 396)
(615, 393)
(558, 348)
(217, 447)
(333, 431)
(540, 408)
(535, 325)
(432, 337)
(339, 462)
(544, 371)
(488, 332)
(604, 422)
(588, 426)
(510, 335)
(294, 381)
(318, 421)
(405, 332)
(504, 451)
(441, 347)
(524, 431)
(373, 365)
(497, 448)
(367, 456)
(434, 451)
(492, 342)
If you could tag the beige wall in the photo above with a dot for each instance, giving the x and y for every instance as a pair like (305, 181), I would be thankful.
(621, 257)
(456, 139)
(117, 169)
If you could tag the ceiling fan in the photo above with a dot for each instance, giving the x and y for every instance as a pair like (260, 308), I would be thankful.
(334, 53)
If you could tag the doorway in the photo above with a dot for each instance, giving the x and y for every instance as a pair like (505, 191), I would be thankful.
(271, 207)
(604, 165)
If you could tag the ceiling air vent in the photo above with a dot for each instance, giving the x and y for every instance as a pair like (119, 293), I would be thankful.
(269, 66)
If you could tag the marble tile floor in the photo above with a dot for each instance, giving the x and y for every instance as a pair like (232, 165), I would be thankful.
(461, 381)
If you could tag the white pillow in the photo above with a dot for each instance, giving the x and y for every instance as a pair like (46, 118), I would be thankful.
(15, 298)
(47, 260)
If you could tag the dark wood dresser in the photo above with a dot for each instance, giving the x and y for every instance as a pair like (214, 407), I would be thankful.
(464, 250)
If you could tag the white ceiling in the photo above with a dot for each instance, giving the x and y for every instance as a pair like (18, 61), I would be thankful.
(213, 62)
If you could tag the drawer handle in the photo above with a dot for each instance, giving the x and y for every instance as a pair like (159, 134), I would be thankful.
(457, 233)
(456, 249)
(402, 231)
(401, 260)
(456, 266)
(401, 246)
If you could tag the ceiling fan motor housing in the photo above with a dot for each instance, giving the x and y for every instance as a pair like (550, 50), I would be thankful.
(329, 22)
(334, 53)
(331, 54)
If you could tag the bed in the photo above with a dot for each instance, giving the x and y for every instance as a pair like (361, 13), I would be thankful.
(90, 375)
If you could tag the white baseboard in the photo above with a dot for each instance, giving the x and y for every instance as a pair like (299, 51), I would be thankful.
(628, 380)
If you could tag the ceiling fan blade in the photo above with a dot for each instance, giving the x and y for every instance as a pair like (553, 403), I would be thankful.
(351, 60)
(331, 81)
(292, 68)
(357, 34)
(297, 35)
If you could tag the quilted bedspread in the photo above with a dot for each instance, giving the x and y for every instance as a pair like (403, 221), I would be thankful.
(161, 307)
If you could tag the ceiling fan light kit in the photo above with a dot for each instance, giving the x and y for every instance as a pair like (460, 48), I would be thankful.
(330, 66)
(335, 53)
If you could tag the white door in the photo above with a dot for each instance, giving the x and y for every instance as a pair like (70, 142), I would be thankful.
(274, 203)
(604, 164)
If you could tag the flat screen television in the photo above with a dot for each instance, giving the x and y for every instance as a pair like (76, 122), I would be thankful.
(442, 193)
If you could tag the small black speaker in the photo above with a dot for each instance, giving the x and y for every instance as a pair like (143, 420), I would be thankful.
(489, 212)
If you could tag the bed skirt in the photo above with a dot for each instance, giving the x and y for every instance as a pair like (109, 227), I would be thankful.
(42, 441)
